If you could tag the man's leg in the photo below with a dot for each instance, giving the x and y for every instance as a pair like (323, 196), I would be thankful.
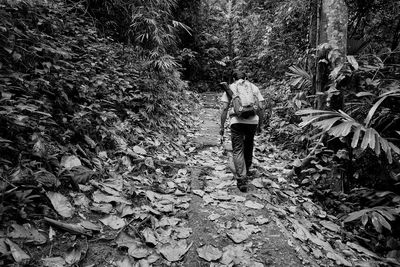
(249, 145)
(237, 137)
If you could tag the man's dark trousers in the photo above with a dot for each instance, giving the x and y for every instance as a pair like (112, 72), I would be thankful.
(242, 136)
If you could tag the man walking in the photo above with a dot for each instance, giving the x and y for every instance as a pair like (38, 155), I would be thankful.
(243, 128)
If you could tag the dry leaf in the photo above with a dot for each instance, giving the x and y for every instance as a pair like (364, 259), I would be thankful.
(101, 207)
(149, 236)
(213, 217)
(330, 226)
(253, 205)
(27, 232)
(339, 260)
(125, 262)
(138, 251)
(238, 236)
(125, 240)
(68, 162)
(100, 197)
(90, 226)
(175, 250)
(113, 221)
(3, 246)
(61, 204)
(81, 200)
(18, 254)
(261, 220)
(209, 253)
(73, 255)
(53, 262)
(183, 232)
(139, 150)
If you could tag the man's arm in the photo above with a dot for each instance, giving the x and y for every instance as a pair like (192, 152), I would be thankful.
(224, 114)
(260, 114)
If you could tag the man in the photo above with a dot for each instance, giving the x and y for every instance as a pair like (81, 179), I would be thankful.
(242, 131)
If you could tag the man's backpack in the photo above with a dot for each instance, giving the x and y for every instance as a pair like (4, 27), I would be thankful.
(245, 102)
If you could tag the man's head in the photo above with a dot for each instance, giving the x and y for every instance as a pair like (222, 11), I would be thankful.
(239, 74)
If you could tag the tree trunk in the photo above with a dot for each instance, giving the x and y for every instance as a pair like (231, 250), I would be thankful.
(332, 31)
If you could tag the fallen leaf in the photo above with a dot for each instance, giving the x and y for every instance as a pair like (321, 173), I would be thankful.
(257, 183)
(125, 240)
(68, 162)
(221, 195)
(167, 221)
(3, 246)
(73, 255)
(139, 150)
(90, 226)
(253, 205)
(238, 236)
(213, 217)
(209, 253)
(53, 262)
(361, 249)
(113, 221)
(27, 232)
(317, 253)
(330, 226)
(125, 262)
(81, 200)
(149, 236)
(183, 232)
(18, 254)
(80, 174)
(175, 250)
(339, 260)
(261, 220)
(100, 197)
(101, 207)
(198, 192)
(236, 256)
(61, 204)
(138, 251)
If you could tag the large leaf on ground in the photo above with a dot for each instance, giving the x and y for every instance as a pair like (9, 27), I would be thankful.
(27, 232)
(209, 253)
(175, 250)
(61, 204)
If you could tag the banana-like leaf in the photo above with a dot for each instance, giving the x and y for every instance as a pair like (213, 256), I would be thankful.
(356, 136)
(325, 125)
(342, 129)
(382, 97)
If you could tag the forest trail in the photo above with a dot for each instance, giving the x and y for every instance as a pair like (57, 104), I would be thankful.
(242, 227)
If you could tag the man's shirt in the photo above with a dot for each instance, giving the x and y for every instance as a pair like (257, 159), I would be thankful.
(234, 119)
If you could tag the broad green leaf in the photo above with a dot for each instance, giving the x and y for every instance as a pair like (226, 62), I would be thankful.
(372, 110)
(342, 129)
(386, 214)
(377, 145)
(365, 141)
(364, 219)
(383, 221)
(371, 142)
(361, 94)
(356, 215)
(356, 136)
(394, 147)
(375, 222)
(325, 125)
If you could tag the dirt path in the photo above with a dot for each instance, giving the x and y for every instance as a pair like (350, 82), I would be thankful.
(242, 227)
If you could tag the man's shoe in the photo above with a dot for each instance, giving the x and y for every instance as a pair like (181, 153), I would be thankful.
(242, 185)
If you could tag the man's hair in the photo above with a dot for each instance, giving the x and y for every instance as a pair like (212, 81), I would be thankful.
(239, 74)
